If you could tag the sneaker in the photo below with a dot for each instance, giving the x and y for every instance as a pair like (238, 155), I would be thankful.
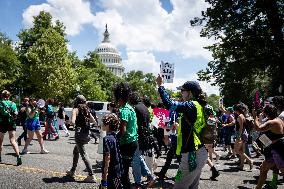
(19, 160)
(215, 173)
(67, 135)
(70, 173)
(44, 151)
(90, 178)
(56, 137)
(25, 151)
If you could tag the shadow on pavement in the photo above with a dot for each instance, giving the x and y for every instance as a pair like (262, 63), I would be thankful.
(11, 154)
(63, 179)
(230, 170)
(8, 164)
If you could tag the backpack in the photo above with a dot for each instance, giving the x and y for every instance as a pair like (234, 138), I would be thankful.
(49, 112)
(8, 116)
(82, 127)
(209, 133)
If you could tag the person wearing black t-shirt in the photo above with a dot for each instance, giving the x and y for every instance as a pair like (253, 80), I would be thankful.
(112, 163)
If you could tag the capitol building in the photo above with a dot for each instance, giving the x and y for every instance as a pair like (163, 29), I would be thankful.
(109, 55)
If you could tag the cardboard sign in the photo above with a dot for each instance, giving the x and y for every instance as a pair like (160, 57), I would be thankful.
(167, 72)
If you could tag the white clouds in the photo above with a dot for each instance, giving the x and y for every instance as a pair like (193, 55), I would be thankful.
(145, 25)
(142, 60)
(137, 25)
(73, 13)
(142, 28)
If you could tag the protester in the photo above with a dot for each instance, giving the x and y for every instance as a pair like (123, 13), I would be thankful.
(81, 117)
(273, 132)
(145, 140)
(61, 119)
(128, 136)
(192, 121)
(173, 145)
(242, 137)
(49, 122)
(229, 126)
(33, 127)
(112, 162)
(8, 112)
(23, 117)
(209, 139)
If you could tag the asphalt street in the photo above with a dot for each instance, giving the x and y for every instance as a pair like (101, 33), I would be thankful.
(48, 170)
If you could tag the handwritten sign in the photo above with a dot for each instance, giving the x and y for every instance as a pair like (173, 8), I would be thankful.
(167, 71)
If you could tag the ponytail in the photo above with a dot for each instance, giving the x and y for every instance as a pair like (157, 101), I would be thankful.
(201, 99)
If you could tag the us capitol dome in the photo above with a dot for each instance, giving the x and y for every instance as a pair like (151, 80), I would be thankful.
(110, 56)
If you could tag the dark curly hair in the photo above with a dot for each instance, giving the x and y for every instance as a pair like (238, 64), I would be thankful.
(112, 121)
(134, 98)
(270, 111)
(241, 107)
(121, 91)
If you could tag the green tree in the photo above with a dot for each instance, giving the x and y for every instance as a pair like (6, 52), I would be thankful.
(249, 46)
(94, 77)
(47, 66)
(213, 100)
(9, 64)
(144, 84)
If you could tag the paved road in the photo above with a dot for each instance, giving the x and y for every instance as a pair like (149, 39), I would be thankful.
(48, 170)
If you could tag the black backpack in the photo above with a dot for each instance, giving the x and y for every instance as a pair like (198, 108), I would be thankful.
(82, 127)
(8, 116)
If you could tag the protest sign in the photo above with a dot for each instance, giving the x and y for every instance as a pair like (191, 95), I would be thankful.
(167, 72)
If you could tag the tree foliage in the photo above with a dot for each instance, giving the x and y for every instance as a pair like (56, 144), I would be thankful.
(47, 67)
(9, 64)
(213, 100)
(144, 84)
(102, 79)
(248, 53)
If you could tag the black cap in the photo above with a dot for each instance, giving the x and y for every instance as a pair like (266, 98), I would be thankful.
(192, 86)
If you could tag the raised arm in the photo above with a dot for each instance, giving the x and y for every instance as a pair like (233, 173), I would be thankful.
(175, 105)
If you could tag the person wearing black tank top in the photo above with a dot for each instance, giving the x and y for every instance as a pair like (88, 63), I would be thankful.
(273, 130)
(241, 134)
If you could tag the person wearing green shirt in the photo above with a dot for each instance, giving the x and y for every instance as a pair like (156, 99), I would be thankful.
(128, 136)
(33, 127)
(8, 123)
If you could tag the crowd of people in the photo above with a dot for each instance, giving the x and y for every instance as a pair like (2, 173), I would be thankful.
(137, 131)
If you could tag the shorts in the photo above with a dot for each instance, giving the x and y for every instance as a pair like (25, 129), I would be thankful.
(33, 124)
(4, 129)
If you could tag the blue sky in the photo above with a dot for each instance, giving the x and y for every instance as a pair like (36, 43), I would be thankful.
(145, 32)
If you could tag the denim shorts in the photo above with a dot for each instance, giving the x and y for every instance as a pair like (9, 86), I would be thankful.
(33, 124)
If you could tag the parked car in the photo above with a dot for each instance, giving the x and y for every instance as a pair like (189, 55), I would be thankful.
(101, 109)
